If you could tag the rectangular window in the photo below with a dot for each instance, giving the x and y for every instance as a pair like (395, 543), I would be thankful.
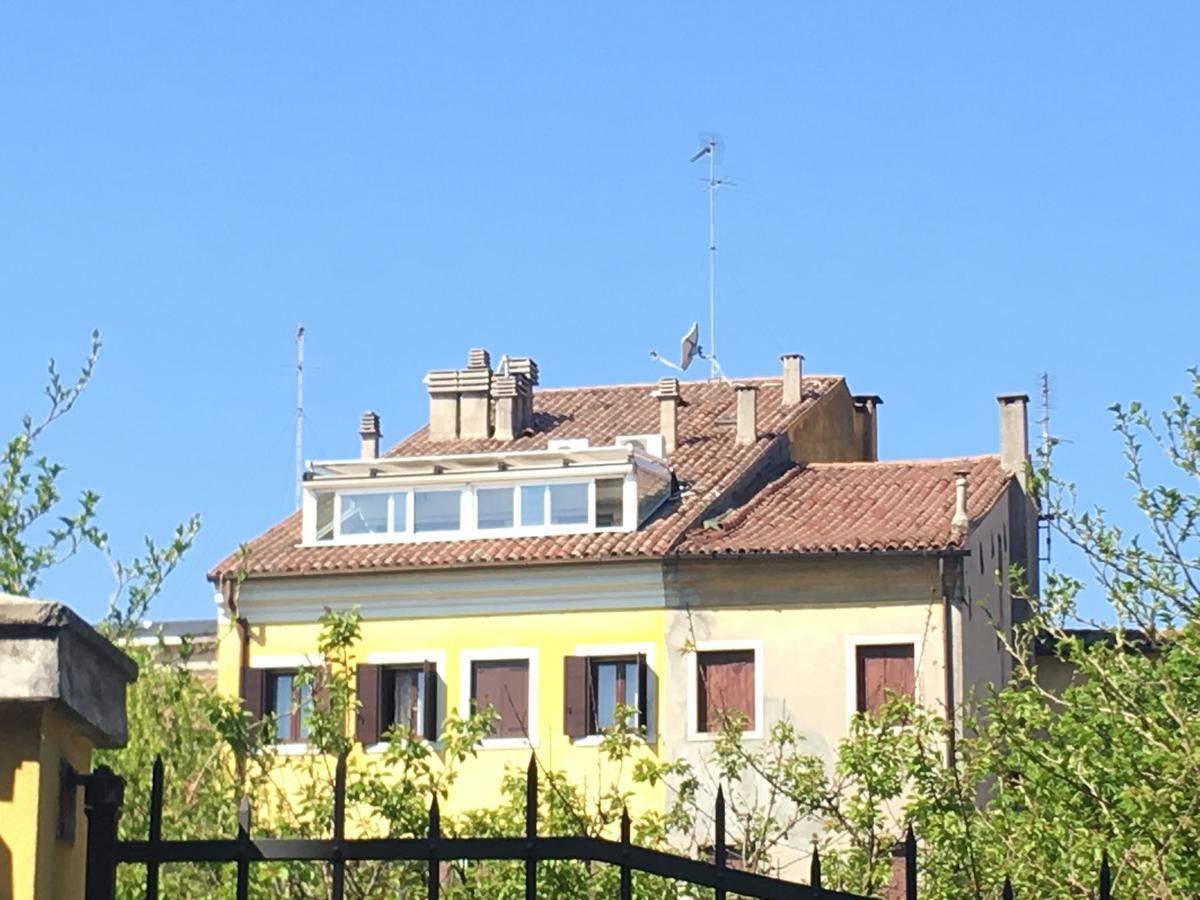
(404, 698)
(503, 684)
(568, 504)
(400, 513)
(610, 501)
(884, 671)
(533, 504)
(614, 684)
(364, 513)
(325, 515)
(495, 507)
(724, 687)
(289, 702)
(436, 511)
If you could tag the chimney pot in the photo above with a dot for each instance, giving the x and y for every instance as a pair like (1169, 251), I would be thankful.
(667, 393)
(960, 522)
(866, 424)
(793, 378)
(369, 433)
(1014, 435)
(443, 404)
(747, 413)
(479, 358)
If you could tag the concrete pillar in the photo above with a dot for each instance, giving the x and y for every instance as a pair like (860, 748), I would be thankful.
(369, 434)
(747, 413)
(62, 693)
(1014, 435)
(668, 411)
(793, 379)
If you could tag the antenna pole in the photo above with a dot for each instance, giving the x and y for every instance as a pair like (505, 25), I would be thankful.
(299, 411)
(713, 370)
(1047, 445)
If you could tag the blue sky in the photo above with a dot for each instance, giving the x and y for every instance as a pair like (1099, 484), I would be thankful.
(939, 201)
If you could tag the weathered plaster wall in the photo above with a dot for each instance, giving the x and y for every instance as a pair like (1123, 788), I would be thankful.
(827, 431)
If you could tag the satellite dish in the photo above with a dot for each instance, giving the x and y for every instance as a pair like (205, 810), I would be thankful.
(689, 346)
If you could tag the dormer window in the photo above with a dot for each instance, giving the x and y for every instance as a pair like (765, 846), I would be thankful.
(480, 496)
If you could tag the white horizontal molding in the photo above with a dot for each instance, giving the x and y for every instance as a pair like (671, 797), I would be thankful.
(464, 592)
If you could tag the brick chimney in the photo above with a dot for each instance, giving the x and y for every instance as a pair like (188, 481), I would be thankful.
(1014, 435)
(866, 424)
(747, 413)
(369, 433)
(667, 393)
(793, 379)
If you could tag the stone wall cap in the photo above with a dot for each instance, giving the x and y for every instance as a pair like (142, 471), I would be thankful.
(24, 616)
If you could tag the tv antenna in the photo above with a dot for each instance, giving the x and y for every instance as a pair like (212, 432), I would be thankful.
(1045, 516)
(711, 146)
(299, 411)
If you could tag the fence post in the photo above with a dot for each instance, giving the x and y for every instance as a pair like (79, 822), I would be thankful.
(156, 805)
(719, 848)
(626, 872)
(243, 839)
(1007, 894)
(1105, 878)
(531, 811)
(910, 864)
(103, 794)
(338, 888)
(435, 832)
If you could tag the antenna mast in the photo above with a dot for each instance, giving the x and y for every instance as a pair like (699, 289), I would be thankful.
(299, 411)
(709, 149)
(1045, 516)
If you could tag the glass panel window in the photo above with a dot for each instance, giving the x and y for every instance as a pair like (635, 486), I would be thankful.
(533, 504)
(364, 513)
(568, 504)
(325, 516)
(404, 697)
(495, 507)
(436, 511)
(400, 513)
(614, 683)
(610, 501)
(289, 701)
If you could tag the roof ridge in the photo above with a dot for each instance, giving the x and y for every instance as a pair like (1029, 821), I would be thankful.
(694, 382)
(929, 461)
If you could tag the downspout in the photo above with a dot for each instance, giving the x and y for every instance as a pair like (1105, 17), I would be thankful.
(948, 651)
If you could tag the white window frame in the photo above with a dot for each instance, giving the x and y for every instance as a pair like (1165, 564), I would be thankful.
(646, 649)
(290, 661)
(491, 654)
(692, 664)
(854, 641)
(412, 658)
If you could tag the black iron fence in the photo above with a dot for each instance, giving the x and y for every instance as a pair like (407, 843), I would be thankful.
(104, 796)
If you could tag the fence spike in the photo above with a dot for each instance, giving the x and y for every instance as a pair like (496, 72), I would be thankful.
(338, 882)
(626, 872)
(434, 881)
(719, 848)
(1008, 889)
(910, 864)
(155, 835)
(814, 870)
(243, 839)
(531, 811)
(1105, 877)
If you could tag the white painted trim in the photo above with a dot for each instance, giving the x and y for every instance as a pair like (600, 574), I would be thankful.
(646, 648)
(854, 641)
(691, 663)
(295, 749)
(408, 658)
(484, 654)
(287, 661)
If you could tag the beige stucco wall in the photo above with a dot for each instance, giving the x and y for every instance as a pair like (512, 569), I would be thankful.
(827, 432)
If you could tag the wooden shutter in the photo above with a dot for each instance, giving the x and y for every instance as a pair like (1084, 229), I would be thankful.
(321, 699)
(369, 685)
(576, 696)
(884, 669)
(430, 725)
(725, 684)
(254, 688)
(643, 693)
(504, 685)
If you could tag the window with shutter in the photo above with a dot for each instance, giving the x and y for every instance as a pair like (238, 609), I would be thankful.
(503, 684)
(884, 671)
(725, 687)
(404, 698)
(289, 699)
(614, 684)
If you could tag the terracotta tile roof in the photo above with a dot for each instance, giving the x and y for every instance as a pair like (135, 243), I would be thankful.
(854, 507)
(706, 462)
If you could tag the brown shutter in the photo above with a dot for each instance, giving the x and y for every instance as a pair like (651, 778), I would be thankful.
(253, 692)
(504, 685)
(882, 670)
(643, 693)
(370, 688)
(725, 684)
(575, 696)
(321, 699)
(430, 725)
